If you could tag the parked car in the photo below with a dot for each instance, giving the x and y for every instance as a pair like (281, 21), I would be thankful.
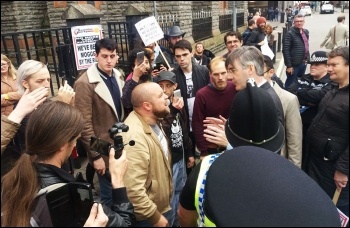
(327, 8)
(306, 11)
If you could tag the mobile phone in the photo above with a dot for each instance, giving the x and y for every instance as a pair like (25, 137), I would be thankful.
(140, 57)
(100, 146)
(70, 204)
(158, 66)
(177, 93)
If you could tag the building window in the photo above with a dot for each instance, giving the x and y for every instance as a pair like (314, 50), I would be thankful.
(91, 2)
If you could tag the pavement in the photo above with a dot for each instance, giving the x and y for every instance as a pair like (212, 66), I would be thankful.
(279, 61)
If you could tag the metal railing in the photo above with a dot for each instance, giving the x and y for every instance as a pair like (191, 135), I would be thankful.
(50, 46)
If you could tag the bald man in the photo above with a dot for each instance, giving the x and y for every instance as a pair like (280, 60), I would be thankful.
(149, 182)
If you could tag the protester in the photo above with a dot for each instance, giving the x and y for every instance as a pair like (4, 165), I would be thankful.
(142, 70)
(232, 40)
(212, 100)
(141, 73)
(61, 125)
(175, 128)
(98, 93)
(337, 35)
(9, 91)
(149, 182)
(248, 31)
(190, 78)
(199, 55)
(328, 136)
(296, 50)
(31, 75)
(10, 124)
(269, 35)
(257, 37)
(173, 35)
(220, 189)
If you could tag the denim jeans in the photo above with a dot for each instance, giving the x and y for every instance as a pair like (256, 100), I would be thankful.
(179, 179)
(105, 188)
(298, 71)
(146, 223)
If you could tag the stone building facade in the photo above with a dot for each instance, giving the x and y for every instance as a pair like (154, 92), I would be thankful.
(19, 16)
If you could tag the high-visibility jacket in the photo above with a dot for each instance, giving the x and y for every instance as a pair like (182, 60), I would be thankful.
(203, 220)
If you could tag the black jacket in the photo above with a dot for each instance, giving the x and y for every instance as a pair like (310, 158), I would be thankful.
(294, 48)
(169, 55)
(255, 37)
(328, 136)
(167, 123)
(120, 214)
(200, 77)
(310, 92)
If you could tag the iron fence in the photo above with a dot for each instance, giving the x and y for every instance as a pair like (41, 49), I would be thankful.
(51, 46)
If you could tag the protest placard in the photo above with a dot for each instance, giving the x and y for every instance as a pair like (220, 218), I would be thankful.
(149, 30)
(84, 39)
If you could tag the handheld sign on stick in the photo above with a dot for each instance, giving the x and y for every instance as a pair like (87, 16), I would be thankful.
(150, 32)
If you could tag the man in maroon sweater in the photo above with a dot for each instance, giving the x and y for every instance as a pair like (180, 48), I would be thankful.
(212, 100)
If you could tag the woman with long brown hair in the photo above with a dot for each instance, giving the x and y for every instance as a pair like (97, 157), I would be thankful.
(51, 134)
(9, 91)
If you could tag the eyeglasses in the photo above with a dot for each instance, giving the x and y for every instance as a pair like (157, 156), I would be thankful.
(4, 64)
(266, 71)
(298, 21)
(233, 42)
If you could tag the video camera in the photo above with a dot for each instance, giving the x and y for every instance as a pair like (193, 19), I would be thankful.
(103, 147)
(118, 139)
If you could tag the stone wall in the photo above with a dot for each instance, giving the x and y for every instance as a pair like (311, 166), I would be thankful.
(22, 15)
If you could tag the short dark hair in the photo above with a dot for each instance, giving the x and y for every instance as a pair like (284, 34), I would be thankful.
(233, 33)
(341, 51)
(251, 22)
(107, 43)
(341, 18)
(268, 62)
(183, 44)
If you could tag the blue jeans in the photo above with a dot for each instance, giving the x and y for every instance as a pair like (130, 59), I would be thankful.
(105, 188)
(146, 223)
(298, 71)
(179, 179)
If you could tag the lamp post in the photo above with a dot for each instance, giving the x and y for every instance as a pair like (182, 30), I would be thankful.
(155, 9)
(234, 16)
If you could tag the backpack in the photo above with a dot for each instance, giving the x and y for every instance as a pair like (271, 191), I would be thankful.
(59, 208)
(41, 215)
(246, 35)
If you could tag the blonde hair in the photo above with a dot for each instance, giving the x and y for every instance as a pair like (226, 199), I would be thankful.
(12, 70)
(25, 70)
(216, 61)
(269, 26)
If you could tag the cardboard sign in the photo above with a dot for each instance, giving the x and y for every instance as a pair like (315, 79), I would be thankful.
(84, 39)
(149, 30)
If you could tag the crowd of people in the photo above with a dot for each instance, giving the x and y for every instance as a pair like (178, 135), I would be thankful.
(219, 140)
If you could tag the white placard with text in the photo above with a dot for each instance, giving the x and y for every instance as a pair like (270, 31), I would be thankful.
(149, 30)
(84, 39)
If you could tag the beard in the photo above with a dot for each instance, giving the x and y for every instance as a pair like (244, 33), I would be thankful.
(162, 113)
